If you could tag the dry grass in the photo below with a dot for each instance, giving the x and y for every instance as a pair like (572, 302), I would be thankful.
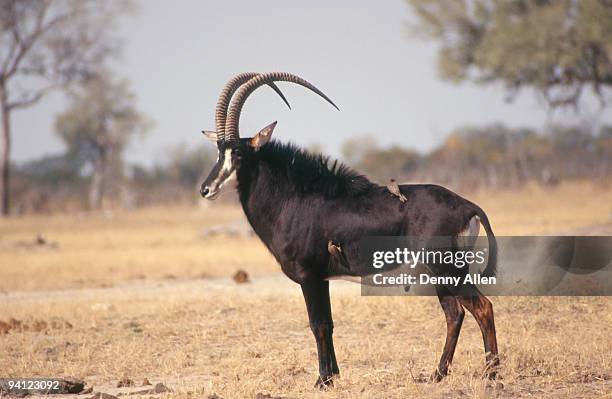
(110, 281)
(536, 210)
(105, 248)
(237, 342)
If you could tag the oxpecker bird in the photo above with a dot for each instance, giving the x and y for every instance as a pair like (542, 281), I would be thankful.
(395, 190)
(336, 255)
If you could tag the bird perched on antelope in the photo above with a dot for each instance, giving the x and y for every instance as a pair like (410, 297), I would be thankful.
(336, 256)
(395, 190)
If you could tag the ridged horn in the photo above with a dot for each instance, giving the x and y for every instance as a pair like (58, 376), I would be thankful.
(226, 95)
(233, 117)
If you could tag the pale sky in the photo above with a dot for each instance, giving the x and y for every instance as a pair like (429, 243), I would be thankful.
(178, 55)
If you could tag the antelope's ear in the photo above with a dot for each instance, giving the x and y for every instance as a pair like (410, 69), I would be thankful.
(262, 137)
(212, 136)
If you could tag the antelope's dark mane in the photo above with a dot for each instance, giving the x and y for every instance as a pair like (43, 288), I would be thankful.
(310, 173)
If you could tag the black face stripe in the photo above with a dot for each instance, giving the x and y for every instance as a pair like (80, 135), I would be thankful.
(214, 172)
(224, 175)
(221, 171)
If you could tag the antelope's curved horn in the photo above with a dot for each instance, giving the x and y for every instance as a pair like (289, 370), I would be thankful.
(226, 95)
(233, 118)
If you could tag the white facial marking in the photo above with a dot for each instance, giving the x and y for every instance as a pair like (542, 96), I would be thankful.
(227, 173)
(227, 162)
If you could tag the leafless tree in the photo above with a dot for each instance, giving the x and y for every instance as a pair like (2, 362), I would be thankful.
(98, 124)
(47, 45)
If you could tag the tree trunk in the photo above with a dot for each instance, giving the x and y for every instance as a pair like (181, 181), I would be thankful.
(96, 190)
(5, 151)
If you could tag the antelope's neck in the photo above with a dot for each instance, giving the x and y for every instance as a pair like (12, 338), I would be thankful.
(262, 192)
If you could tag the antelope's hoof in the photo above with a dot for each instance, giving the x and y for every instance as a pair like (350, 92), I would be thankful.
(437, 376)
(324, 382)
(493, 384)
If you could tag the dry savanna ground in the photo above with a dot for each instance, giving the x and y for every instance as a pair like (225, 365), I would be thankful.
(143, 295)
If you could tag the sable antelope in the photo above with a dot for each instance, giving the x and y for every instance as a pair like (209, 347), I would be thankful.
(301, 205)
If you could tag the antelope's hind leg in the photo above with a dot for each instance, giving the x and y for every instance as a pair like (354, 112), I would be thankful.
(482, 310)
(316, 295)
(454, 313)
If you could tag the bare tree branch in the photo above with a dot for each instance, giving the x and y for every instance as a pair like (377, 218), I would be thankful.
(23, 45)
(40, 29)
(34, 98)
(13, 47)
(50, 44)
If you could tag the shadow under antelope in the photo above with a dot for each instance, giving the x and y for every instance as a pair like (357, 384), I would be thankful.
(298, 202)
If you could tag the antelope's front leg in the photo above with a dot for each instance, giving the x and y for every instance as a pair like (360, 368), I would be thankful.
(316, 295)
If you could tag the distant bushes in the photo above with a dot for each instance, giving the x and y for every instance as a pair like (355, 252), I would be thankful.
(495, 156)
(470, 158)
(63, 183)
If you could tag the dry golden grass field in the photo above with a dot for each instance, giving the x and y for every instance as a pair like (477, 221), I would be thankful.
(142, 294)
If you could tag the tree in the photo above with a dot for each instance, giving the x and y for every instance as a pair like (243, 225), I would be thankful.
(379, 164)
(97, 126)
(559, 48)
(47, 45)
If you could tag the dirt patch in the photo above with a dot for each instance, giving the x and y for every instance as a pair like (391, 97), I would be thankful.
(35, 325)
(158, 388)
